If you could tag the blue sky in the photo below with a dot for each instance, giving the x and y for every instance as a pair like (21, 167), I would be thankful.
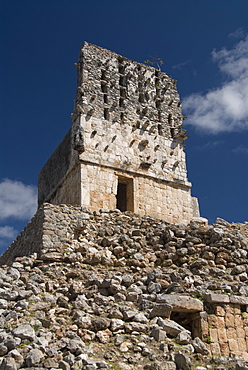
(204, 45)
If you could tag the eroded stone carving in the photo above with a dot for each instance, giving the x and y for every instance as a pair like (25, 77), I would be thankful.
(127, 122)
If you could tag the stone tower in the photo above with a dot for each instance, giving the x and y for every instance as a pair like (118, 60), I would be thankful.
(125, 149)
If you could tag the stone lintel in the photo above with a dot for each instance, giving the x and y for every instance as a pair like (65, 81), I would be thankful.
(217, 298)
(181, 303)
(238, 299)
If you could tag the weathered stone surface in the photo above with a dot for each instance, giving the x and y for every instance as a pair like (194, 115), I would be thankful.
(9, 295)
(104, 335)
(183, 362)
(158, 334)
(64, 365)
(181, 303)
(136, 326)
(8, 363)
(161, 309)
(241, 365)
(183, 337)
(51, 256)
(3, 303)
(3, 349)
(80, 312)
(128, 117)
(239, 299)
(34, 357)
(170, 327)
(199, 346)
(221, 298)
(24, 331)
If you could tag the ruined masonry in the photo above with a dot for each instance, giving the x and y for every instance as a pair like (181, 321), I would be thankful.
(131, 287)
(116, 270)
(125, 149)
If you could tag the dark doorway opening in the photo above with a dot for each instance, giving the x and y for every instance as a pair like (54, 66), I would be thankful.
(125, 196)
(122, 197)
(190, 321)
(183, 319)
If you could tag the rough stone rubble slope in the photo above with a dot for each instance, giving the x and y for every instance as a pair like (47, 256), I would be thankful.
(106, 298)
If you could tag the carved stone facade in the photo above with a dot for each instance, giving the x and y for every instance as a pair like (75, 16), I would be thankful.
(126, 146)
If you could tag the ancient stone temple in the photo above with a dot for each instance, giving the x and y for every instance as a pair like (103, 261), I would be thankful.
(87, 286)
(125, 149)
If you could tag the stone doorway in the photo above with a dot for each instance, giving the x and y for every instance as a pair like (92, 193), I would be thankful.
(195, 322)
(124, 196)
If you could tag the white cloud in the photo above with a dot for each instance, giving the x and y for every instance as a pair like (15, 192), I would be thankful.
(210, 145)
(8, 232)
(181, 65)
(238, 34)
(223, 109)
(17, 200)
(241, 149)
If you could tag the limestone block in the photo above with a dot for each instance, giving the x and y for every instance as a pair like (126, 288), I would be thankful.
(242, 344)
(24, 331)
(219, 311)
(213, 335)
(170, 327)
(181, 303)
(239, 299)
(244, 355)
(158, 334)
(215, 349)
(238, 321)
(231, 333)
(236, 309)
(233, 345)
(221, 322)
(240, 332)
(203, 332)
(229, 308)
(224, 348)
(246, 331)
(162, 310)
(183, 337)
(229, 320)
(8, 363)
(213, 297)
(182, 361)
(213, 321)
(200, 347)
(222, 335)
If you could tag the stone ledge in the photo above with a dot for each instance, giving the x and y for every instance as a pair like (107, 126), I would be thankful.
(238, 299)
(181, 303)
(224, 298)
(217, 298)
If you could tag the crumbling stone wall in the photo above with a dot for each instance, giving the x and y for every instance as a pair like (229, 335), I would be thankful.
(29, 241)
(58, 175)
(227, 324)
(127, 125)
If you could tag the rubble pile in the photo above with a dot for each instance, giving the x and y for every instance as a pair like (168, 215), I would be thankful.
(113, 296)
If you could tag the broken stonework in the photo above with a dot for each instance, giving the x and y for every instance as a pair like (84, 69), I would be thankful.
(114, 288)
